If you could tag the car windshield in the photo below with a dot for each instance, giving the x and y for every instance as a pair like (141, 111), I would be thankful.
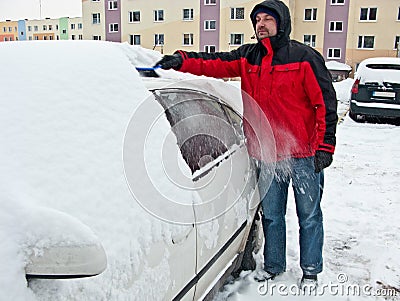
(384, 66)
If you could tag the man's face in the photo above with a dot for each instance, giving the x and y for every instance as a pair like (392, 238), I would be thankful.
(265, 26)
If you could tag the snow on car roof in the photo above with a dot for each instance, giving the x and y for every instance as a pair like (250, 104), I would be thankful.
(366, 74)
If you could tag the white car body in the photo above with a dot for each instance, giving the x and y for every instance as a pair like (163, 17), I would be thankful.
(113, 163)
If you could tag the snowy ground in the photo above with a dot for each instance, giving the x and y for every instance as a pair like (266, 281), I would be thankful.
(362, 231)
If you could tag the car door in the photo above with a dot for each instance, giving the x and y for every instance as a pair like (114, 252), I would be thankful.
(211, 141)
(157, 181)
(226, 188)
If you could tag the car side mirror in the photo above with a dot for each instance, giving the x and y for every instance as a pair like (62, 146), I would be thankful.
(65, 248)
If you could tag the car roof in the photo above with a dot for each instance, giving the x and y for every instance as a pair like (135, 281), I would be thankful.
(385, 60)
(366, 74)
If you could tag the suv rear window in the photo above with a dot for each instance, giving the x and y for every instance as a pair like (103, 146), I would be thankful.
(384, 66)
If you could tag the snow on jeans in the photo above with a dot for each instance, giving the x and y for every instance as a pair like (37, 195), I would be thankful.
(307, 187)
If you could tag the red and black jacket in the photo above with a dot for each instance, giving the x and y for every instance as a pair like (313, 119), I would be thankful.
(287, 80)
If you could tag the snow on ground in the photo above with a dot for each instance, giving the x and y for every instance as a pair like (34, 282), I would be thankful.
(362, 232)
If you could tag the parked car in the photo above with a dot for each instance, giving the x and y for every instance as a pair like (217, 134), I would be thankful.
(153, 174)
(376, 89)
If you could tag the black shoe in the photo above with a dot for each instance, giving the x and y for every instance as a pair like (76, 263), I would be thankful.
(263, 275)
(309, 282)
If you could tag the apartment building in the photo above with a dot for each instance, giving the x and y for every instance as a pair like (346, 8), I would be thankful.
(348, 31)
(46, 29)
(345, 31)
(192, 25)
(8, 31)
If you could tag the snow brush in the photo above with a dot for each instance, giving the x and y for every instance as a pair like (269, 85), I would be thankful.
(148, 71)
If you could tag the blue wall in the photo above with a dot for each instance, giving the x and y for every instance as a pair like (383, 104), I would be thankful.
(21, 30)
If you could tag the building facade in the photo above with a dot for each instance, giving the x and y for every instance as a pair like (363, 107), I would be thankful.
(344, 31)
(348, 31)
(46, 29)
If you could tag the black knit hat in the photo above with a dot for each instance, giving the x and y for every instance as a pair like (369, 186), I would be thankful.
(268, 12)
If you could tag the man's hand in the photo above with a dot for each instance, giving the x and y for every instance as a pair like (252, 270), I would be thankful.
(170, 61)
(322, 160)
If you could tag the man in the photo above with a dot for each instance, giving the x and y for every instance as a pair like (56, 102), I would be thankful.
(290, 83)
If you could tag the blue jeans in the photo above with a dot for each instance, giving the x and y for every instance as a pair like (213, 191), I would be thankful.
(308, 188)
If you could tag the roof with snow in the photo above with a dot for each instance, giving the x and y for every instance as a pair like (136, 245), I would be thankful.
(334, 65)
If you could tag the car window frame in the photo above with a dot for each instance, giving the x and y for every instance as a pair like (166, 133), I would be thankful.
(224, 107)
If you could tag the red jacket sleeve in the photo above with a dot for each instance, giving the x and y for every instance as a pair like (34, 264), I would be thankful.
(219, 64)
(319, 88)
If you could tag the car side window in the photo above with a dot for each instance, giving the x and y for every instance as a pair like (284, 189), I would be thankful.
(205, 129)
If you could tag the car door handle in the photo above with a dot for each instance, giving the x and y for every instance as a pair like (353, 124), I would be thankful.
(180, 237)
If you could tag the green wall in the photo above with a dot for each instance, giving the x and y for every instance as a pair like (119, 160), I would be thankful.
(63, 28)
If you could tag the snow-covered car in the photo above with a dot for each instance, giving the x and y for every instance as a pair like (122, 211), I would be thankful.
(154, 173)
(376, 89)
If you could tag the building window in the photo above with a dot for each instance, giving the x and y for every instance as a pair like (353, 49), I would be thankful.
(29, 28)
(334, 53)
(112, 5)
(310, 14)
(36, 28)
(95, 0)
(309, 39)
(64, 31)
(158, 39)
(159, 15)
(80, 37)
(56, 27)
(113, 27)
(237, 13)
(72, 26)
(96, 18)
(50, 27)
(368, 14)
(80, 26)
(73, 37)
(210, 25)
(51, 38)
(210, 2)
(44, 37)
(396, 42)
(4, 29)
(188, 39)
(337, 2)
(97, 38)
(366, 42)
(44, 27)
(209, 48)
(188, 14)
(336, 26)
(134, 39)
(10, 29)
(236, 39)
(134, 16)
(398, 15)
